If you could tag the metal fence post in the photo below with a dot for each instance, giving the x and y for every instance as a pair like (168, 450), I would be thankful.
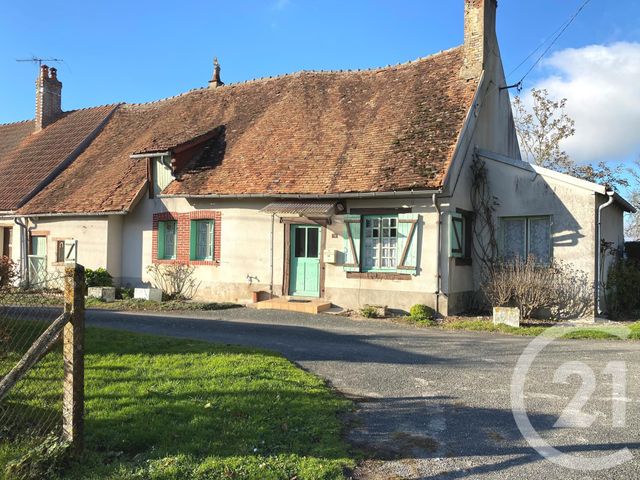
(73, 353)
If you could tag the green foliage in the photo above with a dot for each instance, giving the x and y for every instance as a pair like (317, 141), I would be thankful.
(369, 311)
(623, 289)
(422, 312)
(98, 278)
(123, 293)
(165, 408)
(46, 459)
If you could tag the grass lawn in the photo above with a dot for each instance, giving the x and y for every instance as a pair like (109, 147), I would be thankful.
(604, 332)
(148, 305)
(162, 408)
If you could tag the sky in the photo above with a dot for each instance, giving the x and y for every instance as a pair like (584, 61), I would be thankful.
(142, 51)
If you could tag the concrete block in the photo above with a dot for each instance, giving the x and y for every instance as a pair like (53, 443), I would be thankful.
(153, 294)
(107, 294)
(507, 315)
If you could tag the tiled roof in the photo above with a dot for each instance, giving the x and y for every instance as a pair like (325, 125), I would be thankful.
(388, 129)
(393, 128)
(27, 159)
(11, 134)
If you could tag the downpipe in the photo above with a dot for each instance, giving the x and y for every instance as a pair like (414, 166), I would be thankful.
(24, 245)
(599, 250)
(439, 254)
(273, 216)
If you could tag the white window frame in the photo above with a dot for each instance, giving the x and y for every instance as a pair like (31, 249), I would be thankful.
(379, 248)
(527, 237)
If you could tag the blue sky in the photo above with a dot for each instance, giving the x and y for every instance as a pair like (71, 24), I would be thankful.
(140, 51)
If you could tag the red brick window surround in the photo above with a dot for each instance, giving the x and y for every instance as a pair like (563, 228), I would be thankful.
(183, 233)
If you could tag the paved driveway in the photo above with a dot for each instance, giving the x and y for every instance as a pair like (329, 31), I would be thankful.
(436, 404)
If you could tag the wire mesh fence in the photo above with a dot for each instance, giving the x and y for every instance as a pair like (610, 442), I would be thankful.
(31, 407)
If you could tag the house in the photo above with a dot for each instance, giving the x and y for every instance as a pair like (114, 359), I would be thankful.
(357, 187)
(32, 153)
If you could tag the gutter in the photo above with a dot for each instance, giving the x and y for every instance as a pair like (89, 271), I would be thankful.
(598, 249)
(136, 156)
(399, 194)
(81, 214)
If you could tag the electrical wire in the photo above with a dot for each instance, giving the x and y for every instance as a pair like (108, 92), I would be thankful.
(554, 38)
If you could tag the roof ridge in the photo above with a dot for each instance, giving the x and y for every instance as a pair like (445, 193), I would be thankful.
(116, 104)
(65, 112)
(294, 74)
(16, 122)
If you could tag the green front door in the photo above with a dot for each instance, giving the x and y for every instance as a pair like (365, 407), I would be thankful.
(305, 261)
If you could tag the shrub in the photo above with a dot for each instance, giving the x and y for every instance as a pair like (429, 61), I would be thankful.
(557, 289)
(98, 278)
(422, 312)
(124, 293)
(623, 289)
(369, 311)
(176, 280)
(8, 271)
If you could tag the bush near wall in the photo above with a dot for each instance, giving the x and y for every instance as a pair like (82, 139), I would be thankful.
(623, 289)
(98, 278)
(557, 290)
(632, 251)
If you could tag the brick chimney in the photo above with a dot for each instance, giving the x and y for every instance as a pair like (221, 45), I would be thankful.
(480, 40)
(48, 97)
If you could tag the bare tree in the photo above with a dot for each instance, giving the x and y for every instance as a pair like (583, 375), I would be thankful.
(541, 131)
(632, 229)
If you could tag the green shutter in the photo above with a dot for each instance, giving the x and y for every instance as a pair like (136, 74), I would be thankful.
(408, 242)
(161, 229)
(193, 239)
(351, 235)
(456, 235)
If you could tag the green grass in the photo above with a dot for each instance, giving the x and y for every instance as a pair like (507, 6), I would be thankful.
(613, 332)
(160, 408)
(148, 305)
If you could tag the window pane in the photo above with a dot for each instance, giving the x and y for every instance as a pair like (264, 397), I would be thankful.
(540, 239)
(513, 238)
(60, 251)
(380, 243)
(300, 242)
(170, 240)
(203, 239)
(312, 242)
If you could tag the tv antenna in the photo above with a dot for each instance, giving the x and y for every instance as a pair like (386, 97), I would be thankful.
(39, 60)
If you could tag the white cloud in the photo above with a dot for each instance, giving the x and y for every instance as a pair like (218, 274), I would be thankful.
(602, 86)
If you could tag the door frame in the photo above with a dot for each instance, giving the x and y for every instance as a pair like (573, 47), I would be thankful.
(319, 222)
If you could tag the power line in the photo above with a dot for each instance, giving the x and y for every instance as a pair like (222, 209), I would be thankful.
(554, 38)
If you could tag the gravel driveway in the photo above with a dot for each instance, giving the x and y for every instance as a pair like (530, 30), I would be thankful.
(436, 404)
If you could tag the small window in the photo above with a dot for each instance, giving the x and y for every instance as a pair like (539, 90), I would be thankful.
(202, 239)
(60, 251)
(525, 237)
(160, 174)
(380, 249)
(460, 235)
(167, 233)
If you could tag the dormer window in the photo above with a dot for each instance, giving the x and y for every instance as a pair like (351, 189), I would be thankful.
(161, 174)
